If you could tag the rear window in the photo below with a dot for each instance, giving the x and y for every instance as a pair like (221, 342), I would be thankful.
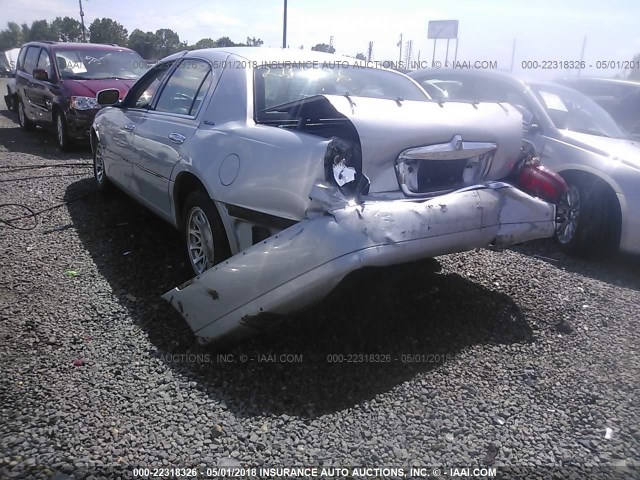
(277, 85)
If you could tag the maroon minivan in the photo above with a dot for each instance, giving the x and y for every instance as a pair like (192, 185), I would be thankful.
(57, 83)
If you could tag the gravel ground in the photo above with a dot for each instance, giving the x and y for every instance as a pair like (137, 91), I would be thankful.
(522, 359)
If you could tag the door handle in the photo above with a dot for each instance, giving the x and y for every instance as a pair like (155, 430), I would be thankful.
(129, 127)
(176, 138)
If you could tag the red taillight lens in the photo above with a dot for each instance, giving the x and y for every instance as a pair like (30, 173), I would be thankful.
(539, 181)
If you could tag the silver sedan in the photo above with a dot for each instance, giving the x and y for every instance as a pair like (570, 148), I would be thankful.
(575, 137)
(302, 167)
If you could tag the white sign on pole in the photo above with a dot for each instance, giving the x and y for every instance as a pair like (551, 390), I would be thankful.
(443, 29)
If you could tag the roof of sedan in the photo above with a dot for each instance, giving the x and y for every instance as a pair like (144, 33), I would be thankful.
(78, 46)
(465, 72)
(606, 81)
(268, 55)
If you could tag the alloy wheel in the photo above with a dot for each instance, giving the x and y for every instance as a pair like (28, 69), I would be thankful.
(99, 164)
(199, 241)
(570, 215)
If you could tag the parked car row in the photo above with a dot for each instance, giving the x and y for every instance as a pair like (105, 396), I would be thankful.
(286, 170)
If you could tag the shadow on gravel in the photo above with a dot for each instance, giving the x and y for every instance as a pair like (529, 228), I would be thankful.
(39, 142)
(616, 269)
(392, 313)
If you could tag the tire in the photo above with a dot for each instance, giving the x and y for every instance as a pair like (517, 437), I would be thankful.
(99, 173)
(591, 218)
(26, 124)
(203, 233)
(60, 125)
(9, 100)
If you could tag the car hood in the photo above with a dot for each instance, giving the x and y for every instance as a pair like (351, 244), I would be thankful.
(90, 88)
(387, 127)
(617, 149)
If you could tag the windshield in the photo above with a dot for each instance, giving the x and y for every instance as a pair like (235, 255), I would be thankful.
(571, 110)
(283, 84)
(99, 64)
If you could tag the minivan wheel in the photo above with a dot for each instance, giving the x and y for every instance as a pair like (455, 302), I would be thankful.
(62, 138)
(26, 124)
(204, 235)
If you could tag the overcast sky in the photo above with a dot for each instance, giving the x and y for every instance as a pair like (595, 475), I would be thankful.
(543, 29)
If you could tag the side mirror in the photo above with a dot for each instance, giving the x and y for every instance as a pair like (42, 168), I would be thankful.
(40, 74)
(109, 96)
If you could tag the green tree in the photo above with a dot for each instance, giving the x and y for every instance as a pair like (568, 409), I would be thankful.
(68, 29)
(204, 43)
(144, 43)
(105, 30)
(167, 42)
(11, 37)
(40, 30)
(254, 42)
(225, 42)
(323, 47)
(361, 56)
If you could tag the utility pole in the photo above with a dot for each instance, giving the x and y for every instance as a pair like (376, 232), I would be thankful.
(370, 52)
(446, 56)
(399, 44)
(284, 26)
(513, 54)
(408, 55)
(584, 45)
(84, 39)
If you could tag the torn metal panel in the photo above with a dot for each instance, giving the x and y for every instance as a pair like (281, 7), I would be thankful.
(301, 264)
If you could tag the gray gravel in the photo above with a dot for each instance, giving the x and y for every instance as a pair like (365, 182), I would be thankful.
(524, 358)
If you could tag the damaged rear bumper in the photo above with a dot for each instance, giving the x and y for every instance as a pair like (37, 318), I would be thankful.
(302, 264)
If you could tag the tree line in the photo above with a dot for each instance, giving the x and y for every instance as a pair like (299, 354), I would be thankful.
(150, 45)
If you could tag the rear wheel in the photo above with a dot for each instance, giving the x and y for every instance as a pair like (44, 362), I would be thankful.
(203, 232)
(62, 139)
(99, 172)
(26, 124)
(590, 220)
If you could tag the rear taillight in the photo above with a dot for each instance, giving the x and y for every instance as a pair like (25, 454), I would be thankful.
(539, 181)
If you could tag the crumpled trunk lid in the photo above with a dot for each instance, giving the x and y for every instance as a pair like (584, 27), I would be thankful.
(387, 127)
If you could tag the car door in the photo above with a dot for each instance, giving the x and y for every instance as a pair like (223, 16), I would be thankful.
(40, 91)
(26, 83)
(120, 126)
(166, 129)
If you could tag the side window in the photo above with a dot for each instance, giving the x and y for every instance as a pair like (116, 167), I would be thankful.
(145, 89)
(44, 63)
(31, 60)
(21, 55)
(185, 90)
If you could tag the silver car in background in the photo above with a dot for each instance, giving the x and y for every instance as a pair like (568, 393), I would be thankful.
(577, 138)
(302, 167)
